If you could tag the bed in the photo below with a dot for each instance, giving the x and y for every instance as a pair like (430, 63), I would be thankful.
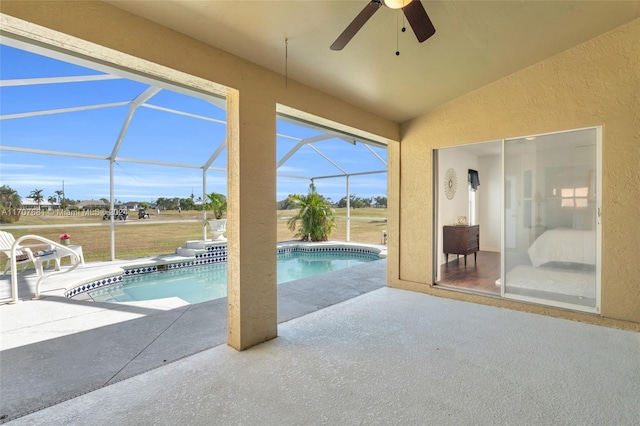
(562, 268)
(564, 245)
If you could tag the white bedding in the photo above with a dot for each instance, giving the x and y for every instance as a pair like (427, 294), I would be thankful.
(564, 245)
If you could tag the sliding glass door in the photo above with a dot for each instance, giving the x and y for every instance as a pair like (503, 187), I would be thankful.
(551, 219)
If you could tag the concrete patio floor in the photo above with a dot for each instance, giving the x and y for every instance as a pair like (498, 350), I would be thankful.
(387, 357)
(56, 348)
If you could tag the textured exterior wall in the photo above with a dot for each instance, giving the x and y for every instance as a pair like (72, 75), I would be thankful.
(595, 83)
(252, 293)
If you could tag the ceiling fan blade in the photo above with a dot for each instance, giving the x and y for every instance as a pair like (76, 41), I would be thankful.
(419, 20)
(356, 24)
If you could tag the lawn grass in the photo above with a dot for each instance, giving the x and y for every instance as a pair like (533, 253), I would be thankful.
(164, 233)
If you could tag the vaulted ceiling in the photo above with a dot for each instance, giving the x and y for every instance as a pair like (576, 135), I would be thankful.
(476, 42)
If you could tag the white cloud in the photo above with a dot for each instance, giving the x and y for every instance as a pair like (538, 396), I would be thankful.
(104, 168)
(16, 166)
(291, 169)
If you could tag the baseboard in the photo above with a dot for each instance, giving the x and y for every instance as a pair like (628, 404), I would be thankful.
(495, 250)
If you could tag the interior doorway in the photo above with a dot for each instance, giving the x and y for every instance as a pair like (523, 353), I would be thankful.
(468, 217)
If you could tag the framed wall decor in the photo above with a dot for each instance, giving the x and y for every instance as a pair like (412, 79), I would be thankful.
(450, 183)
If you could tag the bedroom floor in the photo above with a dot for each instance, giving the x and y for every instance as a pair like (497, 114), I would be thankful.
(554, 282)
(480, 275)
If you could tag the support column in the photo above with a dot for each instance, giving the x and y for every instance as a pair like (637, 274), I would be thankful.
(112, 210)
(204, 201)
(252, 314)
(348, 210)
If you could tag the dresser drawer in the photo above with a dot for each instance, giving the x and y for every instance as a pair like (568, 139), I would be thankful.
(474, 238)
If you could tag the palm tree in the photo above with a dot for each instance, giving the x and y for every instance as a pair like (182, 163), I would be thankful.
(217, 203)
(61, 199)
(37, 196)
(314, 220)
(52, 199)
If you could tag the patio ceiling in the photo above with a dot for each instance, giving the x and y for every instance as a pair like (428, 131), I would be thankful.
(476, 43)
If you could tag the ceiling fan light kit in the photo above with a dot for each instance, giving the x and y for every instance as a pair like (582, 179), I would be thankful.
(413, 11)
(396, 4)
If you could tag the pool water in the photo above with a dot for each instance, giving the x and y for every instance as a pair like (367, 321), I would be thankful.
(202, 283)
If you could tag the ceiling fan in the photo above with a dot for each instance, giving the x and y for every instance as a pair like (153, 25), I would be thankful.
(413, 10)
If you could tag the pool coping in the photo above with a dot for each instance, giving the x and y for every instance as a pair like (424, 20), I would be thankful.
(199, 253)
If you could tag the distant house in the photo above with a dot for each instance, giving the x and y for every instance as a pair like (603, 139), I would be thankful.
(131, 205)
(30, 203)
(91, 204)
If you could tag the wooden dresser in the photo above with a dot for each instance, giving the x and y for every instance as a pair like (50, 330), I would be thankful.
(461, 240)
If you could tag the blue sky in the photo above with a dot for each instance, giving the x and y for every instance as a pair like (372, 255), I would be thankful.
(153, 135)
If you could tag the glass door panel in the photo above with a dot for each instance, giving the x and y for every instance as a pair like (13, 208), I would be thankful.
(550, 219)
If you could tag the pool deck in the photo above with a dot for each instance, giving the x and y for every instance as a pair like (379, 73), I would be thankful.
(386, 357)
(55, 348)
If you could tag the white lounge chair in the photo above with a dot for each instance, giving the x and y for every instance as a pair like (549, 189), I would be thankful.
(36, 254)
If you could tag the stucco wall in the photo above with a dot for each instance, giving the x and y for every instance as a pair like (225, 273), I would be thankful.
(595, 83)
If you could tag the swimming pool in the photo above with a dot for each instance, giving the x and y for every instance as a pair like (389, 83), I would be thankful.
(202, 283)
